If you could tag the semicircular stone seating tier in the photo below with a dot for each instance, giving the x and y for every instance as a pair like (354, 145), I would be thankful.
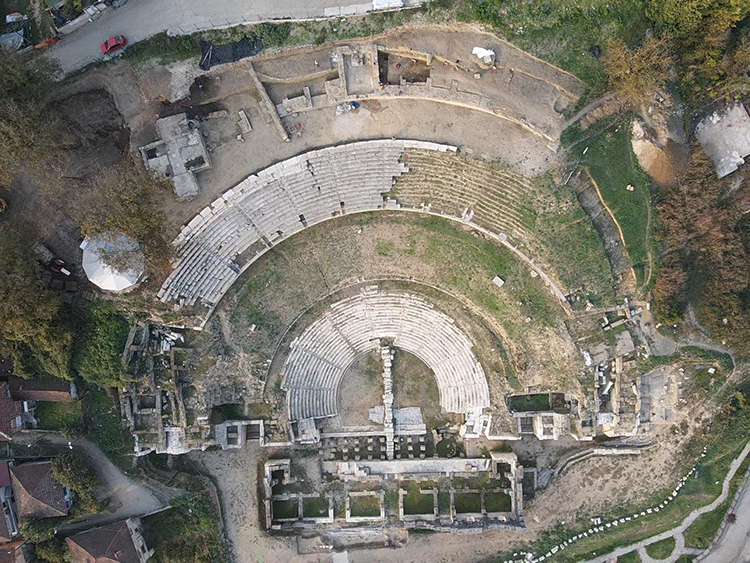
(237, 228)
(321, 355)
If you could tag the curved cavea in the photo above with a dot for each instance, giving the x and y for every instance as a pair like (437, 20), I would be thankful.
(266, 208)
(320, 356)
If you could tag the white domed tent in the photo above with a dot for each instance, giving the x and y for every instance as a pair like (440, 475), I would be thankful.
(104, 275)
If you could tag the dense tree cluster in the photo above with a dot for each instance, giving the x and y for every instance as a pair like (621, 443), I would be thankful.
(29, 131)
(32, 328)
(705, 259)
(711, 52)
(73, 470)
(126, 200)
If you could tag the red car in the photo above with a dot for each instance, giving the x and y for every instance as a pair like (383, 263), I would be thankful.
(111, 45)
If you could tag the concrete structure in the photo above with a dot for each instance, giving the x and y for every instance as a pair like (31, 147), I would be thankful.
(725, 136)
(229, 235)
(179, 153)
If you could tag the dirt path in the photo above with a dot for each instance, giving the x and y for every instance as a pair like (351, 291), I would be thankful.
(588, 108)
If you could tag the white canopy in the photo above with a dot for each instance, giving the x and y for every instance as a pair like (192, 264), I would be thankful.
(485, 55)
(103, 275)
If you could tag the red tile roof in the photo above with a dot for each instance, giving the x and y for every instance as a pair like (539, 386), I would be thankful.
(10, 410)
(38, 493)
(16, 552)
(55, 390)
(4, 474)
(112, 543)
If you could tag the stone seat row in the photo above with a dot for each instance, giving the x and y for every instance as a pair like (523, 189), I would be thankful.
(320, 356)
(276, 203)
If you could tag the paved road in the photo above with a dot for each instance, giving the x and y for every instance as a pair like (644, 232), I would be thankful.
(139, 19)
(734, 544)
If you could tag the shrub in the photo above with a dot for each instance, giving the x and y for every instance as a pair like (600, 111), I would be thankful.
(73, 470)
(274, 35)
(102, 333)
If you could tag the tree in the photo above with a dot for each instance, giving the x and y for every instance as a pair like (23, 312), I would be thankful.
(39, 531)
(53, 551)
(29, 132)
(126, 200)
(48, 546)
(32, 329)
(702, 31)
(73, 470)
(637, 74)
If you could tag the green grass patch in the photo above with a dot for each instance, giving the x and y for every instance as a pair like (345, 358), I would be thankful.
(631, 557)
(187, 532)
(721, 360)
(315, 507)
(497, 502)
(702, 532)
(67, 417)
(250, 411)
(417, 503)
(102, 416)
(465, 260)
(285, 509)
(562, 31)
(468, 503)
(385, 247)
(365, 506)
(444, 503)
(613, 165)
(661, 549)
(447, 447)
(101, 333)
(574, 248)
(529, 403)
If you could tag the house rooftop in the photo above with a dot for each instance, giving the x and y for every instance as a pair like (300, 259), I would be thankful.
(38, 494)
(10, 413)
(40, 390)
(111, 543)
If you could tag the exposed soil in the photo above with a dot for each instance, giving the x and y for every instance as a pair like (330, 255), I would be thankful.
(663, 164)
(361, 388)
(414, 385)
